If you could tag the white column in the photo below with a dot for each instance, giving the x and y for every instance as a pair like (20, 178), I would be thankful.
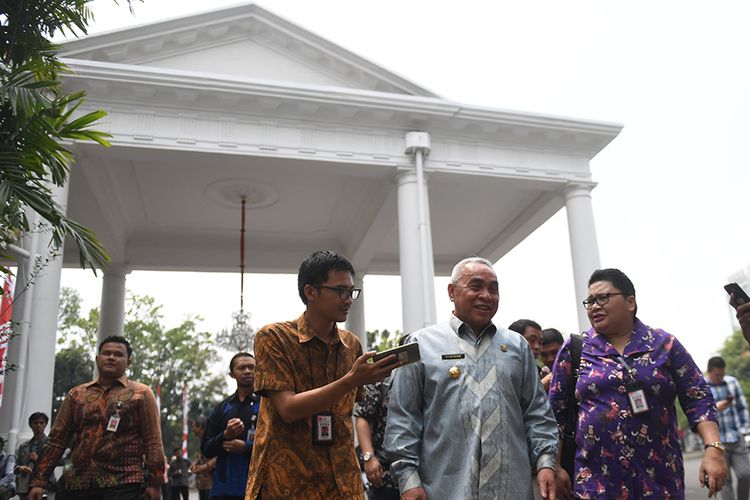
(43, 331)
(112, 307)
(355, 321)
(20, 301)
(417, 291)
(584, 248)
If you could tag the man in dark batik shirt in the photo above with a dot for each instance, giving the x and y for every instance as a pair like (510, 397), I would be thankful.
(112, 424)
(372, 415)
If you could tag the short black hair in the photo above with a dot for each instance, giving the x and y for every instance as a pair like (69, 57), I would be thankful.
(618, 279)
(521, 325)
(177, 451)
(552, 336)
(116, 339)
(37, 415)
(315, 268)
(716, 362)
(239, 355)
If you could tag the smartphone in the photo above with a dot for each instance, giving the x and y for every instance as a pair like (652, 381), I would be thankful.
(407, 353)
(739, 294)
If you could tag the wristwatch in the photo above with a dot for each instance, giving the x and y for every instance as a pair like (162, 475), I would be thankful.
(367, 456)
(716, 444)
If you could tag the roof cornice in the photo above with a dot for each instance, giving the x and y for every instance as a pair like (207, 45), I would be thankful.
(138, 85)
(205, 29)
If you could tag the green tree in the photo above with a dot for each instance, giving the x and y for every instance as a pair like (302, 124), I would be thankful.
(737, 357)
(381, 340)
(165, 357)
(37, 117)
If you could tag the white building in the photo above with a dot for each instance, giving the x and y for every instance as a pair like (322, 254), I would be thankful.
(238, 102)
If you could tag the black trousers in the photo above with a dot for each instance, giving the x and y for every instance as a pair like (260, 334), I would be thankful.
(176, 491)
(123, 492)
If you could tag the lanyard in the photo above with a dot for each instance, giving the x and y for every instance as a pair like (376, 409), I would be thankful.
(632, 372)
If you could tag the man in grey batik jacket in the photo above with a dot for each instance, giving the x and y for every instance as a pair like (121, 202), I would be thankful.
(471, 420)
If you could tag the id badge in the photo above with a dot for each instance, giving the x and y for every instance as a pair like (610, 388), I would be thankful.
(637, 398)
(114, 423)
(322, 428)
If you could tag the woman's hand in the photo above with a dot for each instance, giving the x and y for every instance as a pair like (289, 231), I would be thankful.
(713, 470)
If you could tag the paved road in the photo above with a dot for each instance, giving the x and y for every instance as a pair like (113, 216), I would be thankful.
(692, 491)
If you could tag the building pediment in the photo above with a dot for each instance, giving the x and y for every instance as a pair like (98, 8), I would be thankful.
(247, 42)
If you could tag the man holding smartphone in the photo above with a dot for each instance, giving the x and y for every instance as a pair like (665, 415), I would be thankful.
(733, 420)
(741, 302)
(310, 373)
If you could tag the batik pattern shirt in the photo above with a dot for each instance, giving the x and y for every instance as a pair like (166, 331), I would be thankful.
(204, 480)
(470, 420)
(621, 454)
(734, 419)
(102, 458)
(374, 409)
(285, 463)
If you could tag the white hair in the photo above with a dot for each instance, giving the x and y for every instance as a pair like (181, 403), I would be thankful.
(459, 268)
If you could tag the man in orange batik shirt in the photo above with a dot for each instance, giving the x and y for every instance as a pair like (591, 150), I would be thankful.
(309, 373)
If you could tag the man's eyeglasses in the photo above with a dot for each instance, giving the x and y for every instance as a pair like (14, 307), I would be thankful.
(600, 299)
(344, 293)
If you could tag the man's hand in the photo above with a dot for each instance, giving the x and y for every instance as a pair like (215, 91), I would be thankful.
(23, 470)
(36, 493)
(414, 494)
(234, 428)
(743, 316)
(152, 493)
(234, 446)
(564, 488)
(374, 472)
(723, 404)
(714, 469)
(364, 373)
(545, 478)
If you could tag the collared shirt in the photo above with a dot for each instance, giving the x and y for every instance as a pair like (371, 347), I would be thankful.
(374, 409)
(7, 464)
(204, 480)
(285, 464)
(22, 458)
(470, 420)
(620, 453)
(734, 419)
(230, 474)
(102, 458)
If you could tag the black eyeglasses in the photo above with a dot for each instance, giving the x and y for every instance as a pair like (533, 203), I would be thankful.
(600, 299)
(344, 293)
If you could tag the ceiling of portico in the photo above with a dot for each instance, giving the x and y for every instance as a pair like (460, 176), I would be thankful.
(153, 209)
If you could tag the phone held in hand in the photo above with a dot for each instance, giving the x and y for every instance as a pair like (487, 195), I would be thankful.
(406, 354)
(739, 294)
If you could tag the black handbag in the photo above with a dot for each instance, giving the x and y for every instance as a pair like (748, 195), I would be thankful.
(568, 453)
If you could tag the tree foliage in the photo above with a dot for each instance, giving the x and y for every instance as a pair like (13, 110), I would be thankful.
(381, 340)
(37, 117)
(165, 357)
(737, 357)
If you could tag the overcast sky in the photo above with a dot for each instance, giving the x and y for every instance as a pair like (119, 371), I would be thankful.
(671, 204)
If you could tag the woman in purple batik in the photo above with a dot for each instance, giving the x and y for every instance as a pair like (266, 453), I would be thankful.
(629, 377)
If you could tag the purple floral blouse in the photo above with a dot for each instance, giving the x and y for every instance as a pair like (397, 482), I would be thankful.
(620, 454)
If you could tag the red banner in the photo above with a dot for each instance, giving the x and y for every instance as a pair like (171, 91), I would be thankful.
(184, 421)
(6, 312)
